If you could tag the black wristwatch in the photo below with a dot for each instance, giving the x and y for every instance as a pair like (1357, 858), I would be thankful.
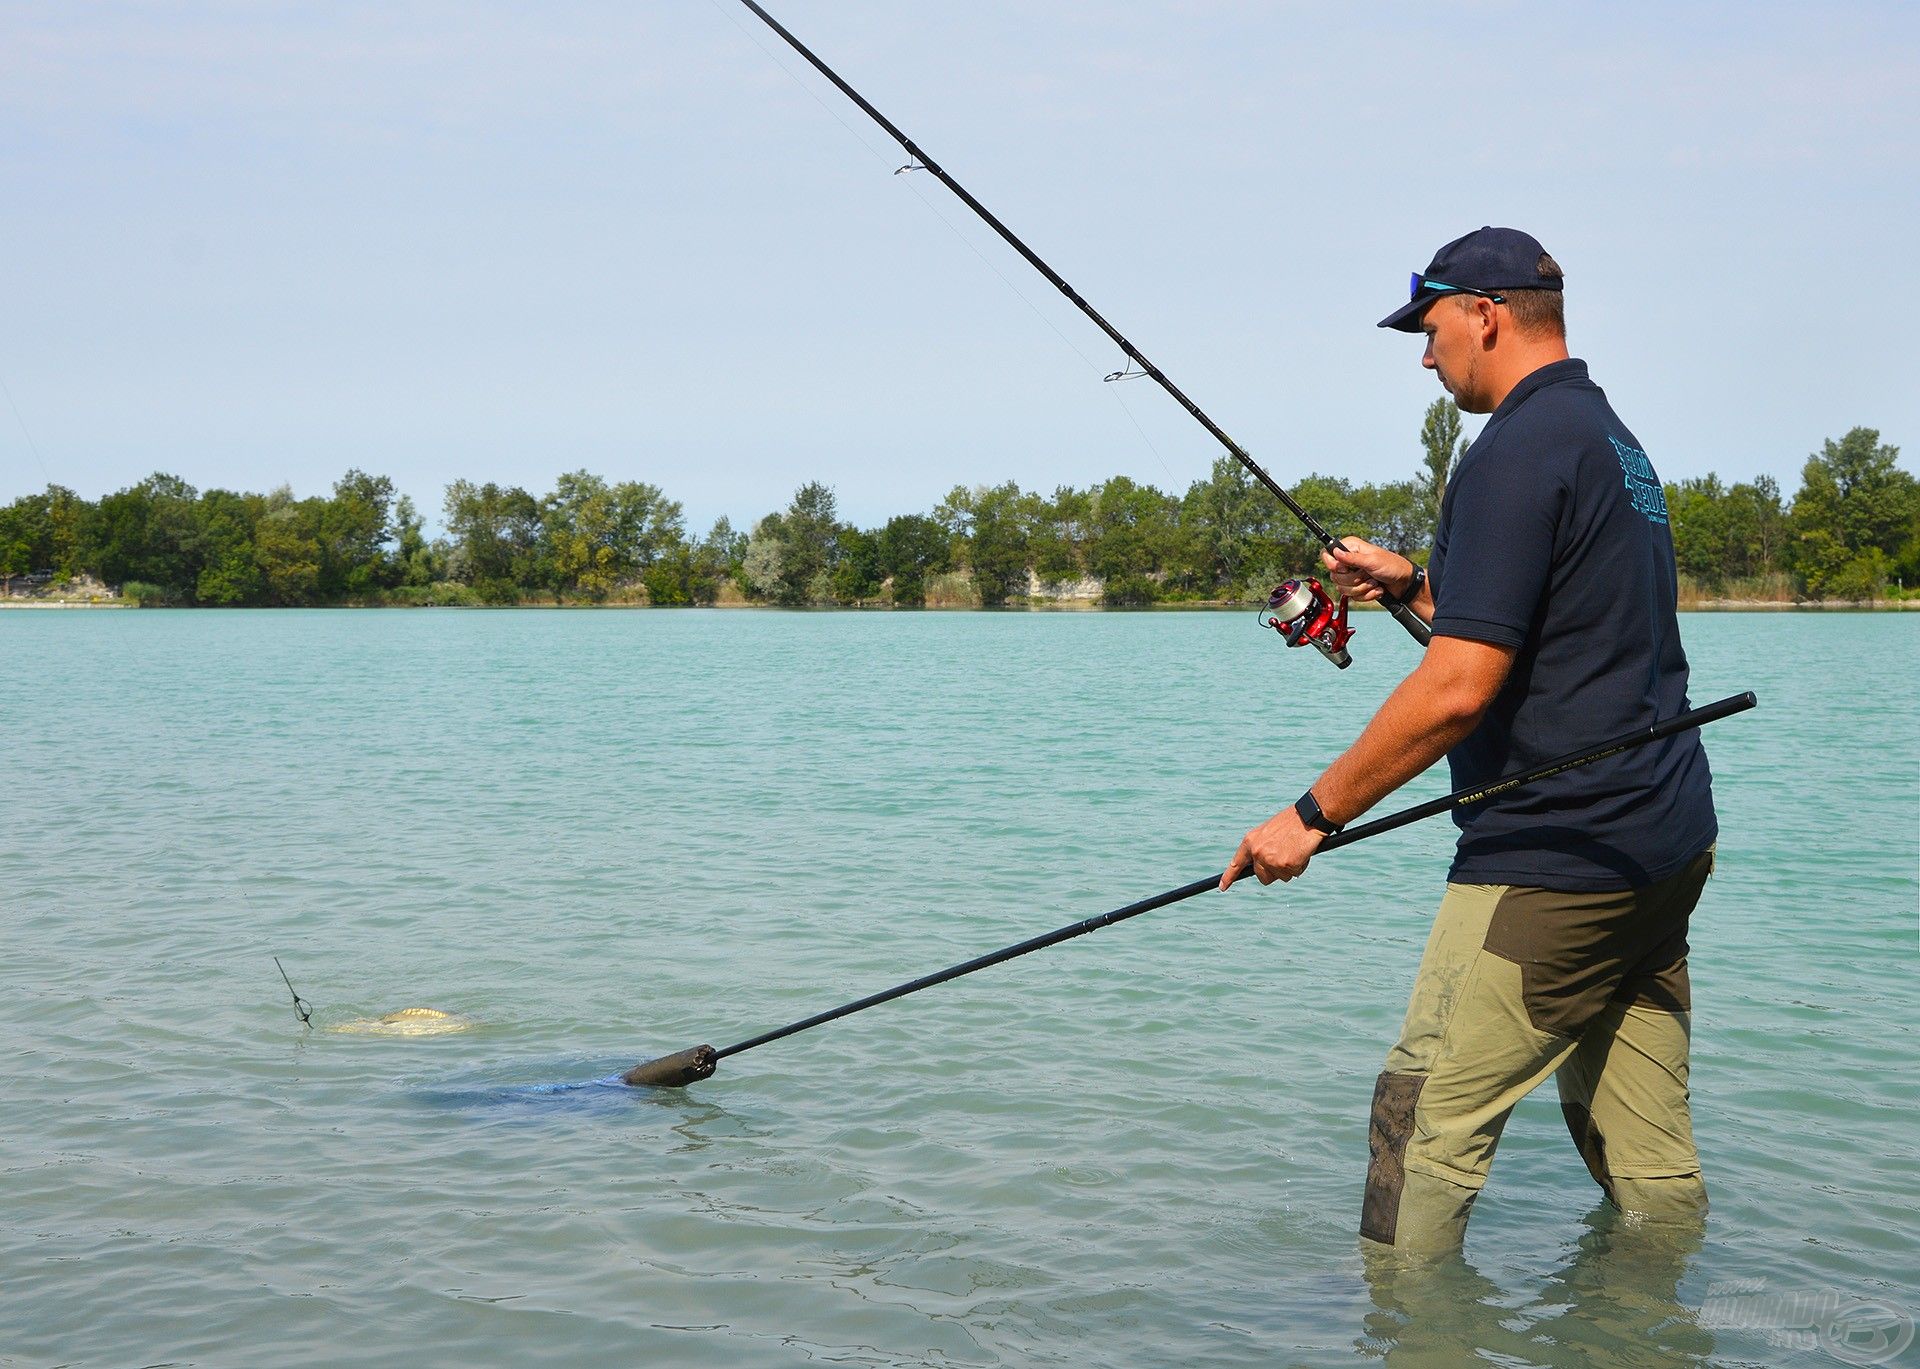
(1413, 585)
(1308, 807)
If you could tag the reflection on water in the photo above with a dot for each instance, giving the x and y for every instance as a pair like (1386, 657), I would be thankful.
(1616, 1301)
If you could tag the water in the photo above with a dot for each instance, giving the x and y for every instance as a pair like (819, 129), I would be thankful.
(606, 836)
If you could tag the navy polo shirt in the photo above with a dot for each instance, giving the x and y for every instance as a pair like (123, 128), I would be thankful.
(1553, 539)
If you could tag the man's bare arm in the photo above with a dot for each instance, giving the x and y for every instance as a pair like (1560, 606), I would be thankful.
(1431, 712)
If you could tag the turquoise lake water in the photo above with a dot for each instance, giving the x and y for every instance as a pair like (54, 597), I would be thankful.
(609, 835)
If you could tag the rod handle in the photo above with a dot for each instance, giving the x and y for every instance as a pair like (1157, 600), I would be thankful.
(1404, 615)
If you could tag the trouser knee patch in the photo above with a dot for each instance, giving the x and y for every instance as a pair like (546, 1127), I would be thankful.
(1593, 1147)
(1389, 1128)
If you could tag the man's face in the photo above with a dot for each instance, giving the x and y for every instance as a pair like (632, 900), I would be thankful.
(1453, 331)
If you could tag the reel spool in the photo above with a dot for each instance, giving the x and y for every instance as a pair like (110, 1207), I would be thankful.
(1304, 614)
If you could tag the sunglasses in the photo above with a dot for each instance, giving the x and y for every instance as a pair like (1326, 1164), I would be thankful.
(1420, 285)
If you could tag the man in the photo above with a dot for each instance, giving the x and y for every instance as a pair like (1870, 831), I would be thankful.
(1560, 946)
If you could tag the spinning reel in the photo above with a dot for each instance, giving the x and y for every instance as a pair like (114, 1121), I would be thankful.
(1303, 613)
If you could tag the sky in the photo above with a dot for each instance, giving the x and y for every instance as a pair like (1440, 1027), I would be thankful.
(255, 244)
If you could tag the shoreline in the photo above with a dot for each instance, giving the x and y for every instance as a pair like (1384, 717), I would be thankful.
(1043, 606)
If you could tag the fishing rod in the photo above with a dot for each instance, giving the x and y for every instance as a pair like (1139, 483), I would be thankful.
(1403, 613)
(690, 1066)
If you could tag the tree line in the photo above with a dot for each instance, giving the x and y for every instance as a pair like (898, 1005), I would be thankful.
(1852, 531)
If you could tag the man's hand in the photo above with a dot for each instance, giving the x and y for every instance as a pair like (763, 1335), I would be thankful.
(1363, 570)
(1278, 848)
(1432, 711)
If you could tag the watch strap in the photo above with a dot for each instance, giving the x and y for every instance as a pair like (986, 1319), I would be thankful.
(1308, 807)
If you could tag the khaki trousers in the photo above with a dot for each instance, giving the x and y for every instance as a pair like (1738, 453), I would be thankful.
(1517, 984)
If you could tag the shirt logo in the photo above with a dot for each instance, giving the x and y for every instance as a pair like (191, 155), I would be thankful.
(1643, 486)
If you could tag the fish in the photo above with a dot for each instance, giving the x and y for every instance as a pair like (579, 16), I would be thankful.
(408, 1022)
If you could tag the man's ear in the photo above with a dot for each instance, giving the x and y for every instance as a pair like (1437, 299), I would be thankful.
(1486, 319)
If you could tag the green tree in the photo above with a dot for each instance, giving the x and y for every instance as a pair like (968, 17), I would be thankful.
(911, 547)
(856, 574)
(1132, 536)
(1855, 512)
(16, 542)
(355, 527)
(1761, 520)
(997, 545)
(1285, 548)
(1220, 519)
(1441, 444)
(1394, 515)
(1699, 514)
(286, 540)
(496, 536)
(418, 561)
(715, 560)
(762, 569)
(724, 548)
(230, 571)
(65, 518)
(42, 532)
(600, 535)
(149, 532)
(809, 538)
(692, 572)
(1058, 533)
(955, 514)
(1906, 562)
(1721, 534)
(670, 579)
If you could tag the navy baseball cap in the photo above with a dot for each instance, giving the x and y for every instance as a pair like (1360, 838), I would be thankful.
(1484, 262)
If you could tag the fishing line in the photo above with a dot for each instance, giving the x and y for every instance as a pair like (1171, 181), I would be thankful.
(1415, 626)
(1105, 376)
(7, 390)
(300, 1005)
(954, 229)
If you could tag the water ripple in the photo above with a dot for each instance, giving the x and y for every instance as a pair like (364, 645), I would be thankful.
(604, 837)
